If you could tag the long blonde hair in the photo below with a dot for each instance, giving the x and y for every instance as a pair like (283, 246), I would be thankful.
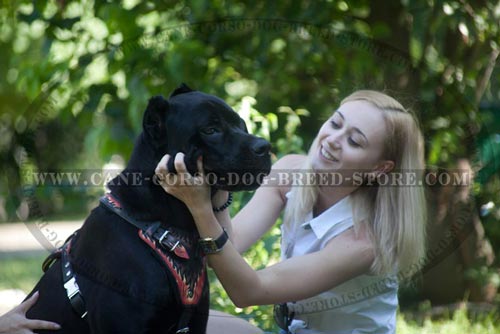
(394, 215)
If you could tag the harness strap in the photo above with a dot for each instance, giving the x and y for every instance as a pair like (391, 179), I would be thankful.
(153, 228)
(49, 260)
(56, 254)
(153, 233)
(69, 280)
(114, 205)
(183, 326)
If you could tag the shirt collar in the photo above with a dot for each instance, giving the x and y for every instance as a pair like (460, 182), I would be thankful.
(339, 212)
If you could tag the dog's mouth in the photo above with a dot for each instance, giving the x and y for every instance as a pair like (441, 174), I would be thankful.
(231, 174)
(233, 181)
(243, 166)
(237, 179)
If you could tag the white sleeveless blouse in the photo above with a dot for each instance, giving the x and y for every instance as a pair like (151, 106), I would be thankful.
(364, 304)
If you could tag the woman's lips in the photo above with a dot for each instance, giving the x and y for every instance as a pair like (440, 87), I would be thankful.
(325, 154)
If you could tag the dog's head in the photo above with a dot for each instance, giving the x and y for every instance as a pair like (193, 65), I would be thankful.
(200, 124)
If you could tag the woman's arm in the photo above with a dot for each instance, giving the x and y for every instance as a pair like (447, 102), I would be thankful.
(265, 206)
(293, 279)
(263, 209)
(296, 278)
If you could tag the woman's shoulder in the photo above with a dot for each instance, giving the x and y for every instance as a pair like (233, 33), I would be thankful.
(281, 172)
(285, 166)
(290, 162)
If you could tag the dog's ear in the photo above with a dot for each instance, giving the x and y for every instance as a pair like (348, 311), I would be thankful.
(154, 121)
(183, 88)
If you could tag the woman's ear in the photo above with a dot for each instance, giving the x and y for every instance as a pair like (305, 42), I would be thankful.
(381, 168)
(384, 167)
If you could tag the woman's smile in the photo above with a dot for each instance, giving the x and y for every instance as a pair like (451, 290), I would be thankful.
(325, 154)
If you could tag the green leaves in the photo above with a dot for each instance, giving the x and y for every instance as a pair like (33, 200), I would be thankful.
(87, 68)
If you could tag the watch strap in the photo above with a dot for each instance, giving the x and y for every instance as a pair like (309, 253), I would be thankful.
(211, 245)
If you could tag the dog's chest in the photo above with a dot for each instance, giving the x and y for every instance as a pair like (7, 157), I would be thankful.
(187, 267)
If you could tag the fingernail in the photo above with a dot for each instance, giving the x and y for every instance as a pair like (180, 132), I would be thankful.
(56, 326)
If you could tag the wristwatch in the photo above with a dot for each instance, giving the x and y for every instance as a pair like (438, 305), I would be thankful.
(211, 245)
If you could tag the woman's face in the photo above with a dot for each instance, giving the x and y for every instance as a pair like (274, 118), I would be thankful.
(352, 140)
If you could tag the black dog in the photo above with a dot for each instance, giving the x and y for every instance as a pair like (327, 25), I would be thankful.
(136, 262)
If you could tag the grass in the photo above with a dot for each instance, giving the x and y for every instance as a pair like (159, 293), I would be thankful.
(458, 323)
(20, 272)
(23, 273)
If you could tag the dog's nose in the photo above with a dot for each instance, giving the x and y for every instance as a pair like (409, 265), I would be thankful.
(261, 147)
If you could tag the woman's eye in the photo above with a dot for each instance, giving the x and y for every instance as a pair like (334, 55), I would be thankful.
(353, 143)
(209, 131)
(335, 125)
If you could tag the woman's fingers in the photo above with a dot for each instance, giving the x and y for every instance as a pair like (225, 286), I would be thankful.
(182, 175)
(41, 324)
(161, 168)
(199, 165)
(22, 324)
(191, 189)
(28, 303)
(179, 164)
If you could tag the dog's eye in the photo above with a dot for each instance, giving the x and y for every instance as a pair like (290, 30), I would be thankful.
(209, 131)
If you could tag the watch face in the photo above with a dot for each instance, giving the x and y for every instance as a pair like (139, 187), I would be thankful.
(209, 246)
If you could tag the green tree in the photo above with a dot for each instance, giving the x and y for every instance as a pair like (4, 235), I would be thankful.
(78, 75)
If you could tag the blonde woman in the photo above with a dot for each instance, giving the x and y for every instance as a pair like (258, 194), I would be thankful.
(345, 238)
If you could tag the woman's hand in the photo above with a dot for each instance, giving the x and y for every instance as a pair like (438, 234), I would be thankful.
(193, 190)
(15, 321)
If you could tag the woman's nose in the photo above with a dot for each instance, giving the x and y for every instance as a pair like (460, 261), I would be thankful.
(333, 141)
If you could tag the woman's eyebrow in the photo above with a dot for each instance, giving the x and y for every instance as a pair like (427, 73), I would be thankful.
(354, 128)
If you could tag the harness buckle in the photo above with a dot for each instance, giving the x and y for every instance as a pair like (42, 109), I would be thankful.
(163, 236)
(175, 246)
(71, 287)
(74, 296)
